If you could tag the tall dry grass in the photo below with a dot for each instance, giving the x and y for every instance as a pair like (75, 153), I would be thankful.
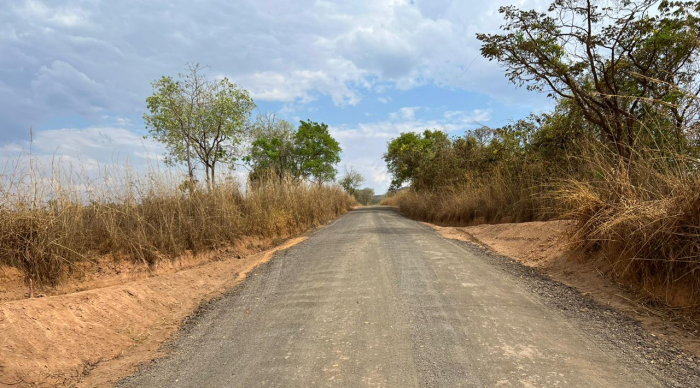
(54, 217)
(503, 196)
(643, 215)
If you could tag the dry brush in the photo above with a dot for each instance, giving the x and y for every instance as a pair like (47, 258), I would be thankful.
(52, 218)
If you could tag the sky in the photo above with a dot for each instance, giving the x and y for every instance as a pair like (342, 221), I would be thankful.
(78, 71)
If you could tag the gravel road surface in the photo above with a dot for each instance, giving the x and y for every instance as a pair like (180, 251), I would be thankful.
(377, 300)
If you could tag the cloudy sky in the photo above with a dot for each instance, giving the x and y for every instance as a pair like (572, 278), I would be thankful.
(78, 71)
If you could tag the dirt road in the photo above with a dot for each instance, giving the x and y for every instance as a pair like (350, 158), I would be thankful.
(379, 300)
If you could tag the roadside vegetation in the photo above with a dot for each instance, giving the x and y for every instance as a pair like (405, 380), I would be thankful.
(351, 181)
(618, 155)
(54, 215)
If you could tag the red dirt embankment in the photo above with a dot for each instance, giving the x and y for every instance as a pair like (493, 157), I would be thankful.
(95, 337)
(545, 246)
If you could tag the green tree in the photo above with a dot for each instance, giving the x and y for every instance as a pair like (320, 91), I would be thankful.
(420, 160)
(272, 147)
(199, 121)
(365, 196)
(621, 63)
(351, 180)
(316, 152)
(309, 152)
(403, 158)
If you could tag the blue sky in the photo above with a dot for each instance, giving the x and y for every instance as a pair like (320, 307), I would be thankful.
(79, 71)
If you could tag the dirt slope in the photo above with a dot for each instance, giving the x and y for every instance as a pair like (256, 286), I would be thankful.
(59, 340)
(544, 245)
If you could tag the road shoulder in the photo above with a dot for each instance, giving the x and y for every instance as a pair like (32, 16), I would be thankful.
(617, 330)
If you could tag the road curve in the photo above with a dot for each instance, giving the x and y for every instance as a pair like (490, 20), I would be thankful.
(377, 300)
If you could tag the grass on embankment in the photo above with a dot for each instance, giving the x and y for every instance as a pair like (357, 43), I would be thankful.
(503, 197)
(51, 221)
(644, 218)
(641, 216)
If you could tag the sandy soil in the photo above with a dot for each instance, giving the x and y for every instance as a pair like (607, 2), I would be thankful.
(95, 337)
(544, 246)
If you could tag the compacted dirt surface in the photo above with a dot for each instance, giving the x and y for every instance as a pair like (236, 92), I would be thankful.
(376, 299)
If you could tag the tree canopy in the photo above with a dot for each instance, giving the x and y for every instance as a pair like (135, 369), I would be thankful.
(624, 64)
(351, 180)
(410, 155)
(272, 148)
(317, 152)
(365, 196)
(200, 121)
(432, 160)
(309, 152)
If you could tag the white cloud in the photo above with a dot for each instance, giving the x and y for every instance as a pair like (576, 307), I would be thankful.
(406, 113)
(301, 86)
(86, 56)
(63, 87)
(384, 100)
(96, 146)
(59, 16)
(476, 116)
(123, 121)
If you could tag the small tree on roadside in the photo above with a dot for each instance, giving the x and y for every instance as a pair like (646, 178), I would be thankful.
(351, 180)
(200, 121)
(421, 160)
(272, 148)
(365, 196)
(309, 152)
(316, 151)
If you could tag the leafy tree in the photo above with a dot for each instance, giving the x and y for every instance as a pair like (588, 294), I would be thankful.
(309, 152)
(365, 196)
(540, 145)
(420, 159)
(272, 147)
(623, 65)
(316, 152)
(198, 120)
(351, 180)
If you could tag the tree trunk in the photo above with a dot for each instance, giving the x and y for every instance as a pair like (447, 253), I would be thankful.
(190, 170)
(206, 168)
(213, 174)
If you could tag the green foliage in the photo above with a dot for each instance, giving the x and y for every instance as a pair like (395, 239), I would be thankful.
(411, 156)
(272, 148)
(316, 152)
(307, 153)
(170, 120)
(199, 121)
(630, 71)
(351, 180)
(539, 145)
(365, 196)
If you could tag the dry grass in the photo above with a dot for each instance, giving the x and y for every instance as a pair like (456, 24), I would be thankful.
(53, 218)
(502, 197)
(644, 216)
